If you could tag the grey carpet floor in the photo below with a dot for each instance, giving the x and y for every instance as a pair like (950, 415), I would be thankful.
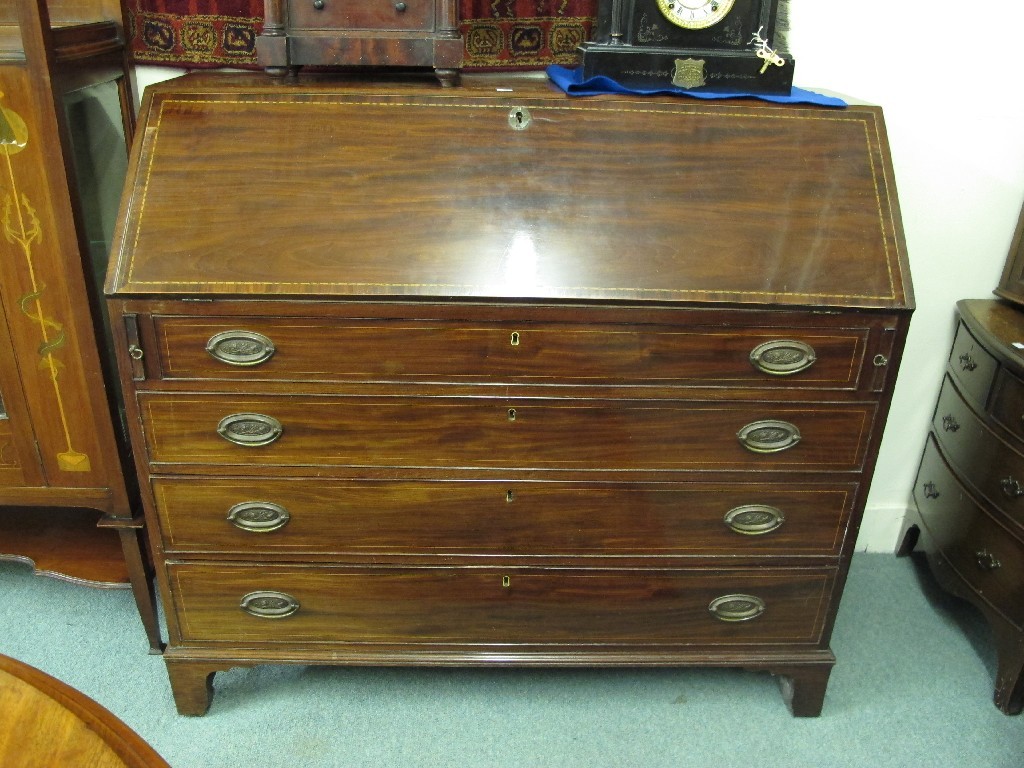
(912, 688)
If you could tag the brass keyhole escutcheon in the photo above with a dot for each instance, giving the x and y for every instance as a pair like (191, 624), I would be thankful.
(519, 118)
(514, 340)
(511, 414)
(506, 581)
(510, 495)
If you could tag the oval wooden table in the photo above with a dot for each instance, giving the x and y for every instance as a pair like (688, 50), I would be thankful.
(49, 723)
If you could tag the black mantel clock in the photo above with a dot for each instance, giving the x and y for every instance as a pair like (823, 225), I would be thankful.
(701, 45)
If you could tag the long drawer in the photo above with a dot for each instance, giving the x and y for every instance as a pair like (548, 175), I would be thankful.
(983, 551)
(987, 464)
(467, 432)
(318, 349)
(376, 15)
(494, 518)
(265, 604)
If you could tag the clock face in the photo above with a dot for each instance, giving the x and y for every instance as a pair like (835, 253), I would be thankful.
(695, 14)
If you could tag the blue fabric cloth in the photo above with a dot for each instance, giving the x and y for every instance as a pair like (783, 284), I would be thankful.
(571, 81)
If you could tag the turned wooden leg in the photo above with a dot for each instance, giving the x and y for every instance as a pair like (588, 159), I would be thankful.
(192, 686)
(448, 77)
(803, 688)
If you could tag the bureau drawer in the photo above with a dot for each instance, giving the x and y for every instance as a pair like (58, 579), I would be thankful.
(1008, 404)
(467, 432)
(361, 14)
(973, 367)
(316, 349)
(983, 552)
(510, 518)
(985, 462)
(491, 605)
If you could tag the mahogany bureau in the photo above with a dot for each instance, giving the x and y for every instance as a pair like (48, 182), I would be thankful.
(491, 376)
(970, 486)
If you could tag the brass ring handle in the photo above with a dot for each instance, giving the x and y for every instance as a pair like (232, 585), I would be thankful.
(768, 436)
(250, 429)
(269, 605)
(135, 352)
(1012, 487)
(782, 357)
(258, 516)
(241, 348)
(986, 560)
(736, 607)
(754, 519)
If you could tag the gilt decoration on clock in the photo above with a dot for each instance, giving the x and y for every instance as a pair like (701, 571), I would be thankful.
(721, 46)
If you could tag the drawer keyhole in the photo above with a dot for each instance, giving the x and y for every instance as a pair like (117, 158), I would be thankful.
(515, 339)
(510, 495)
(506, 581)
(511, 414)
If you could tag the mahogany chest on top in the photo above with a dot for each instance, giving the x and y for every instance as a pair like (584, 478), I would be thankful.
(493, 376)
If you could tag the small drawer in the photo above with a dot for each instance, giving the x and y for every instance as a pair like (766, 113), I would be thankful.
(986, 463)
(1008, 404)
(377, 15)
(482, 432)
(332, 350)
(985, 553)
(973, 367)
(246, 604)
(495, 518)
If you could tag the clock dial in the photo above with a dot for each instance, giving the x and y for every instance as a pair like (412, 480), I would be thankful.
(695, 14)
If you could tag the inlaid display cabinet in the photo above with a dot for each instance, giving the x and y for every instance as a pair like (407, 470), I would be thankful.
(67, 505)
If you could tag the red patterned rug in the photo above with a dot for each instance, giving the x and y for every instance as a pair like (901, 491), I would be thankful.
(498, 34)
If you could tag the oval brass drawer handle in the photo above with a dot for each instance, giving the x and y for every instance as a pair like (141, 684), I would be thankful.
(269, 605)
(754, 519)
(241, 348)
(258, 516)
(782, 357)
(249, 429)
(736, 607)
(768, 436)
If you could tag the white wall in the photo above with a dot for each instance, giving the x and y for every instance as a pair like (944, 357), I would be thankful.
(955, 117)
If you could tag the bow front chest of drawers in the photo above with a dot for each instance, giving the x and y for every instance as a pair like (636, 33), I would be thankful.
(490, 376)
(970, 486)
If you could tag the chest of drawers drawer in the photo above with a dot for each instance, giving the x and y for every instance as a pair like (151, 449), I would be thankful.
(257, 517)
(361, 14)
(991, 467)
(488, 605)
(973, 366)
(322, 350)
(980, 548)
(482, 432)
